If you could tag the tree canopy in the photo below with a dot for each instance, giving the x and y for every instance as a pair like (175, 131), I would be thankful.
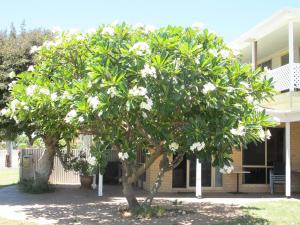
(15, 58)
(167, 91)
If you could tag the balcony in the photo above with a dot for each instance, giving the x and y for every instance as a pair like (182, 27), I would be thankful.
(286, 80)
(286, 77)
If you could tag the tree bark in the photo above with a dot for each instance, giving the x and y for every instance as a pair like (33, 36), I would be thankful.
(164, 166)
(45, 163)
(127, 187)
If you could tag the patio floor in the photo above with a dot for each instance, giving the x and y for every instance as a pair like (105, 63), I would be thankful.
(74, 206)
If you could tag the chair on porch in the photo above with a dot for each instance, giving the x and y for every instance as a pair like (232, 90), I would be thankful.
(277, 175)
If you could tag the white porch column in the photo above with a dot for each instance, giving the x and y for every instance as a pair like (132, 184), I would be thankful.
(291, 54)
(198, 179)
(100, 185)
(287, 159)
(254, 55)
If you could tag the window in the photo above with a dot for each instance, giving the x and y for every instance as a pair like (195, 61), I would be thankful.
(260, 157)
(267, 64)
(284, 59)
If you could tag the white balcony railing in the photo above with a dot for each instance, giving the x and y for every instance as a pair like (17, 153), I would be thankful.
(283, 78)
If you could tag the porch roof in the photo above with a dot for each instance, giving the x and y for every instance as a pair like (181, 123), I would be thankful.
(269, 25)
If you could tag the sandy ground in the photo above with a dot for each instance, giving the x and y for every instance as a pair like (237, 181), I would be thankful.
(74, 206)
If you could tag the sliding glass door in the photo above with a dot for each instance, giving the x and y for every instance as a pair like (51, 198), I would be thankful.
(184, 176)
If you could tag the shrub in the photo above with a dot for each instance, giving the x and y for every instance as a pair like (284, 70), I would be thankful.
(30, 186)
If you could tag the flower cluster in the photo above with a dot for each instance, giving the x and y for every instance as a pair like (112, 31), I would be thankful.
(208, 87)
(123, 156)
(44, 91)
(30, 68)
(30, 90)
(140, 48)
(173, 146)
(112, 91)
(240, 131)
(227, 169)
(148, 71)
(147, 105)
(264, 134)
(138, 91)
(70, 116)
(108, 31)
(197, 146)
(93, 101)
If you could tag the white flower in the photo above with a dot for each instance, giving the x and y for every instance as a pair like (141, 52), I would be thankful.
(138, 91)
(30, 68)
(268, 134)
(70, 116)
(108, 31)
(245, 84)
(140, 48)
(48, 44)
(4, 111)
(173, 146)
(138, 26)
(149, 29)
(197, 61)
(148, 71)
(33, 49)
(54, 96)
(197, 25)
(240, 131)
(80, 119)
(91, 30)
(33, 135)
(123, 156)
(112, 91)
(197, 145)
(227, 169)
(92, 161)
(93, 101)
(66, 95)
(30, 90)
(100, 113)
(10, 85)
(208, 87)
(250, 99)
(14, 103)
(224, 53)
(144, 115)
(264, 134)
(44, 91)
(147, 105)
(79, 37)
(214, 52)
(176, 62)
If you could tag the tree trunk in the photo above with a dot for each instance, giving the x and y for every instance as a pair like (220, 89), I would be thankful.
(45, 163)
(127, 188)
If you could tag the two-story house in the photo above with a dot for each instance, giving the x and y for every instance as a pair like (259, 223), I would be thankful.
(275, 44)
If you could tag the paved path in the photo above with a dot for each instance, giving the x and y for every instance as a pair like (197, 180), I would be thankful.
(74, 206)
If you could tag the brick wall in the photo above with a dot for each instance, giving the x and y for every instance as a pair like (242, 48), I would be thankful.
(229, 180)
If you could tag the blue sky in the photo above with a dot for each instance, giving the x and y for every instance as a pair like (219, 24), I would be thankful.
(228, 18)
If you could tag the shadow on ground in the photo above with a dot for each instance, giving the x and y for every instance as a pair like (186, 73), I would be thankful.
(74, 206)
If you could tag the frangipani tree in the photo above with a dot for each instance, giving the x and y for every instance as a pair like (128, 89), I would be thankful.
(169, 91)
(40, 100)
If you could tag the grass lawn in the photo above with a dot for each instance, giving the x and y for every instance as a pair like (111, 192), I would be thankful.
(8, 176)
(14, 222)
(284, 212)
